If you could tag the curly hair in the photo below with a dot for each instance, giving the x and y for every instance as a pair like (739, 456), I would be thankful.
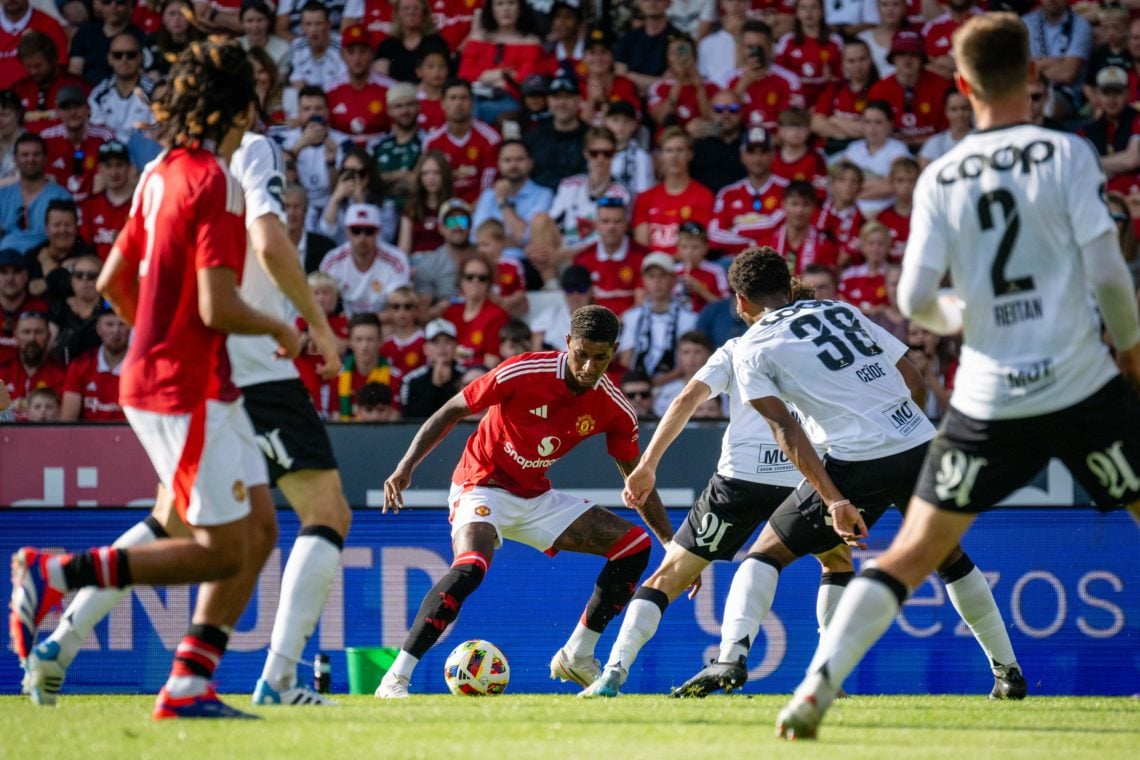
(596, 324)
(211, 88)
(759, 272)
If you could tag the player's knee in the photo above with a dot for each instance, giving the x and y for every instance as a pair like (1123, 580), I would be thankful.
(837, 561)
(465, 575)
(956, 567)
(631, 551)
(226, 559)
(768, 559)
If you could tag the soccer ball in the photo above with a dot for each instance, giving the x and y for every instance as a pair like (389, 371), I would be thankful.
(476, 668)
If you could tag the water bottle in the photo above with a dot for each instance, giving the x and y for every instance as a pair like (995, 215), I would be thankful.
(322, 673)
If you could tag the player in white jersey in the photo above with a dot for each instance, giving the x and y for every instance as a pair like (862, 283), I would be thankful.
(291, 435)
(1016, 213)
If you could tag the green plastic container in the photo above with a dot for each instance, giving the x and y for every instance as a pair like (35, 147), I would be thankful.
(366, 666)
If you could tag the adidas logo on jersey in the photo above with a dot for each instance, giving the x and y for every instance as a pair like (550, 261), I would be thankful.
(539, 412)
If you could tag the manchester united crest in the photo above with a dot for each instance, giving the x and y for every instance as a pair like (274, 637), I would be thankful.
(584, 425)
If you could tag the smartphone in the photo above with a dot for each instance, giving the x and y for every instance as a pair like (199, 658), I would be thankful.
(757, 54)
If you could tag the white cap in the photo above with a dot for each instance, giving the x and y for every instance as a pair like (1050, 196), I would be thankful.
(659, 259)
(438, 327)
(362, 215)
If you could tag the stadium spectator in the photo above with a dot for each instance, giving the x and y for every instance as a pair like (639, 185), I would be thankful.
(716, 154)
(477, 319)
(47, 278)
(640, 52)
(73, 317)
(374, 404)
(632, 165)
(471, 146)
(566, 39)
(104, 214)
(218, 17)
(865, 285)
(45, 77)
(91, 391)
(938, 32)
(364, 364)
(796, 159)
(1060, 41)
(821, 279)
(892, 19)
(847, 17)
(14, 300)
(1115, 134)
(650, 331)
(896, 218)
(533, 109)
(694, 18)
(501, 54)
(510, 284)
(960, 122)
(889, 317)
(765, 88)
(72, 146)
(358, 98)
(358, 182)
(366, 269)
(556, 144)
(700, 281)
(514, 338)
(413, 34)
(1113, 50)
(43, 406)
(679, 96)
(746, 210)
(172, 37)
(312, 246)
(269, 87)
(314, 57)
(32, 367)
(514, 199)
(659, 211)
(936, 359)
(398, 151)
(257, 24)
(693, 350)
(839, 216)
(575, 205)
(550, 326)
(432, 73)
(1039, 96)
(19, 18)
(403, 346)
(23, 204)
(431, 186)
(719, 53)
(800, 243)
(290, 16)
(426, 389)
(874, 154)
(811, 51)
(316, 147)
(637, 389)
(435, 273)
(838, 108)
(309, 362)
(1126, 226)
(92, 41)
(543, 255)
(11, 127)
(916, 95)
(600, 84)
(614, 262)
(122, 101)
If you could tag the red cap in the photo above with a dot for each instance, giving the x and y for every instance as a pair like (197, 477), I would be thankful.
(907, 42)
(354, 35)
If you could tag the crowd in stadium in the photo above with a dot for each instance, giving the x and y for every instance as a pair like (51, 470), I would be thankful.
(459, 176)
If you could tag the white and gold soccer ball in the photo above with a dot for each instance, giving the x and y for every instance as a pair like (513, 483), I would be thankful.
(476, 668)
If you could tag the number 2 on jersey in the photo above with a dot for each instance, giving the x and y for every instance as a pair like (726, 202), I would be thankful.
(1008, 204)
(151, 202)
(836, 354)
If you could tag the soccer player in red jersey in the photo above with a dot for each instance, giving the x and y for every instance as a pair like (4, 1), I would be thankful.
(471, 146)
(102, 215)
(173, 275)
(660, 211)
(539, 406)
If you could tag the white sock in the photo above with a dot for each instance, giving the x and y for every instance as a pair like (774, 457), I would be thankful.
(582, 642)
(825, 603)
(91, 605)
(972, 598)
(749, 600)
(304, 587)
(403, 666)
(186, 686)
(864, 613)
(637, 627)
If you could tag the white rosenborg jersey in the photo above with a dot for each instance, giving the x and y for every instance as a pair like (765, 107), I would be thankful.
(257, 164)
(838, 368)
(748, 450)
(1007, 211)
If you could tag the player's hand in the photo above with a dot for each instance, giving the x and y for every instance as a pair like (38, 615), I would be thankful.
(1129, 363)
(638, 486)
(324, 342)
(695, 586)
(849, 525)
(288, 341)
(394, 490)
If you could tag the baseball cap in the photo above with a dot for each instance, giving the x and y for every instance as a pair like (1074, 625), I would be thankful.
(757, 136)
(69, 95)
(9, 99)
(362, 215)
(453, 206)
(564, 81)
(113, 149)
(659, 259)
(12, 258)
(599, 35)
(535, 84)
(907, 42)
(438, 327)
(576, 279)
(1112, 78)
(621, 108)
(693, 227)
(354, 35)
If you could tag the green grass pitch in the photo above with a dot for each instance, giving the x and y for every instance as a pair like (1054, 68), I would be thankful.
(537, 727)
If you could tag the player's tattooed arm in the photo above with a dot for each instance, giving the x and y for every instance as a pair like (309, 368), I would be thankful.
(652, 511)
(427, 438)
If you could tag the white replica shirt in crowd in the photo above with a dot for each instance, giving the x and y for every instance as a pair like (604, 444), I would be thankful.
(748, 450)
(257, 164)
(1007, 211)
(118, 113)
(308, 68)
(838, 368)
(576, 211)
(312, 170)
(367, 291)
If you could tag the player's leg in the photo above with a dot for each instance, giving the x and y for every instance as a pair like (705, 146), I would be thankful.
(837, 571)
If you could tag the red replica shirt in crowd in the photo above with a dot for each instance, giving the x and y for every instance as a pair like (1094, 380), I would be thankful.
(814, 63)
(11, 70)
(474, 157)
(533, 420)
(98, 385)
(74, 166)
(431, 113)
(101, 220)
(453, 19)
(766, 98)
(687, 107)
(324, 392)
(816, 248)
(712, 276)
(838, 99)
(362, 114)
(377, 20)
(621, 88)
(899, 226)
(664, 213)
(743, 215)
(811, 167)
(8, 326)
(919, 110)
(862, 289)
(477, 337)
(403, 355)
(39, 104)
(188, 214)
(524, 59)
(616, 276)
(843, 226)
(21, 383)
(510, 277)
(939, 32)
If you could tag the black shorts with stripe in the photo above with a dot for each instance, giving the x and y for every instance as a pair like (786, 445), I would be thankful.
(726, 514)
(289, 431)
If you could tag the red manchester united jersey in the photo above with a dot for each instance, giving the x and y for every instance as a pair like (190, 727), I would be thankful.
(919, 110)
(474, 157)
(899, 226)
(74, 166)
(815, 248)
(98, 385)
(616, 276)
(101, 221)
(743, 214)
(479, 336)
(838, 99)
(811, 167)
(842, 225)
(533, 420)
(362, 114)
(815, 63)
(431, 113)
(403, 355)
(768, 97)
(187, 215)
(862, 288)
(665, 213)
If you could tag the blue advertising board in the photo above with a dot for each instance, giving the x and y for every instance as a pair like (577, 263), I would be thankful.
(1065, 580)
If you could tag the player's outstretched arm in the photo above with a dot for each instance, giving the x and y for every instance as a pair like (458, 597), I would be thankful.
(222, 309)
(920, 301)
(1108, 276)
(282, 262)
(434, 430)
(119, 284)
(639, 483)
(847, 521)
(652, 511)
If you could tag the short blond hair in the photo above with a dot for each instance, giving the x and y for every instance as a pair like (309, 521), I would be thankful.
(322, 280)
(992, 53)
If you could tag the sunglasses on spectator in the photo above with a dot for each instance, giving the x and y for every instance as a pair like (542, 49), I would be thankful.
(357, 231)
(471, 277)
(611, 201)
(85, 274)
(600, 153)
(726, 108)
(457, 222)
(639, 394)
(579, 289)
(128, 55)
(402, 306)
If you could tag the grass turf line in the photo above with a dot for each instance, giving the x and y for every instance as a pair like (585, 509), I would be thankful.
(545, 726)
